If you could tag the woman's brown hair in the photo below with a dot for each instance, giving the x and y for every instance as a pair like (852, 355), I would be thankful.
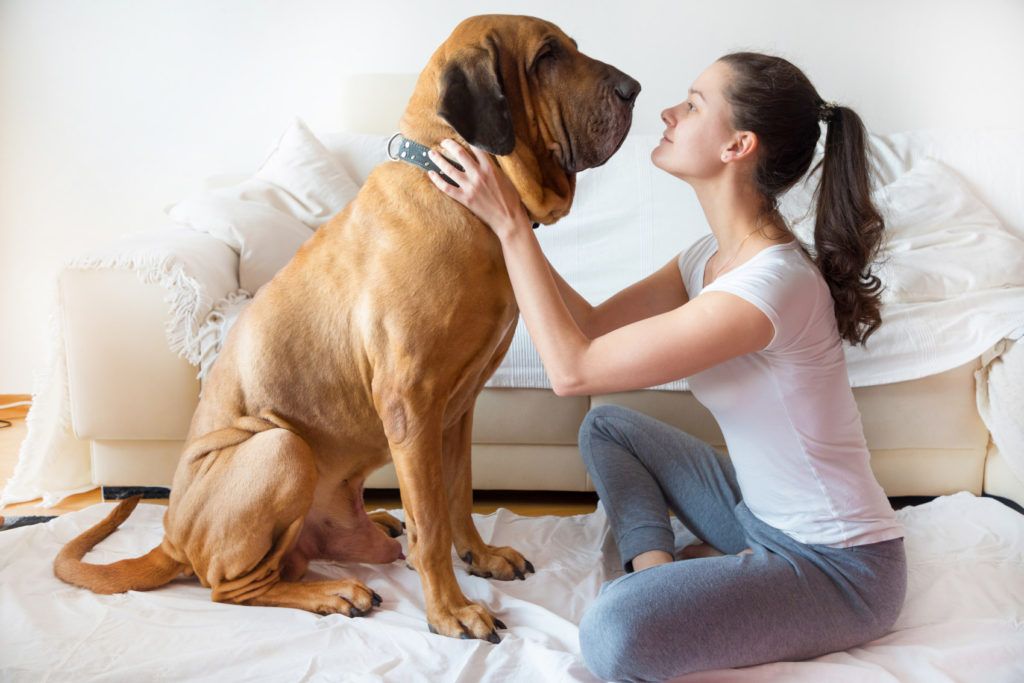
(773, 99)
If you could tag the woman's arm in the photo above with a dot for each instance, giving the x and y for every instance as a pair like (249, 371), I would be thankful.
(657, 293)
(704, 332)
(681, 341)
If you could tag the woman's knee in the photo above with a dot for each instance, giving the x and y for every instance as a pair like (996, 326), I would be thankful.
(606, 641)
(597, 439)
(634, 630)
(598, 424)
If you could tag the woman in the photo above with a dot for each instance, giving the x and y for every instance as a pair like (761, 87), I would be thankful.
(805, 555)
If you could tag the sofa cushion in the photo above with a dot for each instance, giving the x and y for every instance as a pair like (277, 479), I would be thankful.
(934, 412)
(527, 416)
(266, 218)
(679, 409)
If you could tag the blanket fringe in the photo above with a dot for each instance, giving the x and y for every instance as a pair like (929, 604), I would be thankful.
(185, 295)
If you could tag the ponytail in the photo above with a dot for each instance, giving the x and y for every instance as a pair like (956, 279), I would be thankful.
(848, 228)
(774, 99)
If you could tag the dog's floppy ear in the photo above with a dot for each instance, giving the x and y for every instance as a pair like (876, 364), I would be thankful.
(472, 101)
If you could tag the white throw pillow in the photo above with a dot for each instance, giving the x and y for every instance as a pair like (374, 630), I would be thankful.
(265, 219)
(264, 238)
(357, 153)
(300, 177)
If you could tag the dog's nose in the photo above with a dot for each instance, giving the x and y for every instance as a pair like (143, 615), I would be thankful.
(627, 88)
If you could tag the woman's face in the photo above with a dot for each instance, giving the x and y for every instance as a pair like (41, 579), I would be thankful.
(698, 130)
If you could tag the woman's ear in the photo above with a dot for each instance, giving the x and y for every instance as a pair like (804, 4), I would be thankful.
(742, 146)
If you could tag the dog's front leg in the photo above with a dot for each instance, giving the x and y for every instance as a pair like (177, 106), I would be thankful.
(499, 562)
(417, 457)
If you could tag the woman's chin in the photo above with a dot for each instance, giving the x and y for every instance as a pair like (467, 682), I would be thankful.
(657, 155)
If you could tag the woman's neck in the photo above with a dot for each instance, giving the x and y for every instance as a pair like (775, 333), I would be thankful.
(733, 211)
(740, 223)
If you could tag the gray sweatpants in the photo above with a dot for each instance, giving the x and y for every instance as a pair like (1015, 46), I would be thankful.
(785, 601)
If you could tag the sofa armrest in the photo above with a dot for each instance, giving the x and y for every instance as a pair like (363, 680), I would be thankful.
(123, 379)
(131, 312)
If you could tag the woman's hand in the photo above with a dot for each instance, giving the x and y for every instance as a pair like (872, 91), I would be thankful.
(482, 188)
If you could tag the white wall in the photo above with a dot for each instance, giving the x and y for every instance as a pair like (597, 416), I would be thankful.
(112, 109)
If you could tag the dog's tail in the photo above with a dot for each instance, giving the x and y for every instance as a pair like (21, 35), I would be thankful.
(152, 570)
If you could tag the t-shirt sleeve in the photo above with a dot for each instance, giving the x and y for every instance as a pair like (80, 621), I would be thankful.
(756, 290)
(789, 297)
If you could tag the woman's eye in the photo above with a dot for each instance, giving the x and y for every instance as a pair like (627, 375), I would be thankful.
(690, 107)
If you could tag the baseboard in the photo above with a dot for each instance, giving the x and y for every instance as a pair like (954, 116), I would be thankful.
(1005, 501)
(15, 521)
(147, 492)
(898, 502)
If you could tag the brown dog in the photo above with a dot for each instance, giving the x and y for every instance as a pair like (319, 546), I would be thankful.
(373, 343)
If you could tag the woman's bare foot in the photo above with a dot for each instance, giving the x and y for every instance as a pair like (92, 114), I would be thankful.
(696, 550)
(651, 558)
(692, 552)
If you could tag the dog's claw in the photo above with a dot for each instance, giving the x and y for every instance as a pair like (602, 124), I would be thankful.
(500, 624)
(520, 575)
(493, 637)
(354, 611)
(376, 600)
(468, 557)
(464, 636)
(529, 567)
(431, 628)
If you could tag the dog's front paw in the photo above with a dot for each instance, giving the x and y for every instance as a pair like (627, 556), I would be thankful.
(388, 524)
(469, 621)
(501, 563)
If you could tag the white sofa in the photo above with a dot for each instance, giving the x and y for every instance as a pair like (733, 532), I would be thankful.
(140, 316)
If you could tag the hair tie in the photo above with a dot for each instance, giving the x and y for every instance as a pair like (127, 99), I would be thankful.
(827, 111)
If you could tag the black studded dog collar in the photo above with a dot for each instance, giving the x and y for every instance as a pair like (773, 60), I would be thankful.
(401, 148)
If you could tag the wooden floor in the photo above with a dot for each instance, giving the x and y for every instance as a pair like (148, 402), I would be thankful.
(522, 502)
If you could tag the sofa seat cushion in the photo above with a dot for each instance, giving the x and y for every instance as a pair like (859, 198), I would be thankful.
(934, 412)
(528, 416)
(679, 409)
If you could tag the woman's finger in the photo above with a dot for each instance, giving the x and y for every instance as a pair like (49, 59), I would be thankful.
(457, 192)
(474, 160)
(457, 151)
(442, 163)
(480, 155)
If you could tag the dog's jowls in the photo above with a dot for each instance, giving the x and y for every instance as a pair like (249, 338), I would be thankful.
(371, 345)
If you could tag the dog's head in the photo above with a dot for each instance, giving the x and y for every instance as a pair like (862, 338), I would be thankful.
(519, 88)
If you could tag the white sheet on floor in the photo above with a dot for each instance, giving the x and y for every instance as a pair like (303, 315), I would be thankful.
(963, 618)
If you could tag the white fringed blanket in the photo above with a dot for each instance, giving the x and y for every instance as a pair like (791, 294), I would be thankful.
(963, 618)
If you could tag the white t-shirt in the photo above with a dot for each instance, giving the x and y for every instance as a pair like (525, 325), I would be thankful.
(787, 412)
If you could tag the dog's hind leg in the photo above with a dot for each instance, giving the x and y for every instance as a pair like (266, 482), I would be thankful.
(484, 560)
(237, 510)
(350, 597)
